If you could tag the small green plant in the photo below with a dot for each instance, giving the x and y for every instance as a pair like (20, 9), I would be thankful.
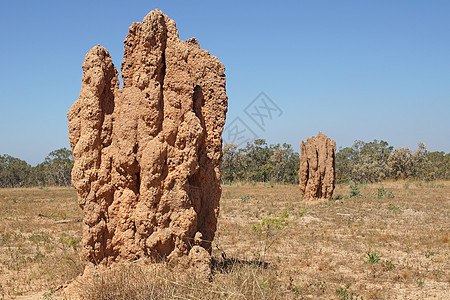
(38, 256)
(318, 286)
(70, 241)
(41, 237)
(394, 208)
(268, 229)
(373, 258)
(419, 184)
(301, 212)
(435, 185)
(245, 198)
(264, 284)
(429, 254)
(6, 238)
(354, 191)
(420, 282)
(50, 294)
(388, 265)
(297, 290)
(344, 294)
(406, 185)
(381, 193)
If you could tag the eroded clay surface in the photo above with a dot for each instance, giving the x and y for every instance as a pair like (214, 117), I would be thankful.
(316, 173)
(147, 156)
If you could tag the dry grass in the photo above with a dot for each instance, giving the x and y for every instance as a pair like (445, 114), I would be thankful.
(324, 252)
(239, 280)
(39, 239)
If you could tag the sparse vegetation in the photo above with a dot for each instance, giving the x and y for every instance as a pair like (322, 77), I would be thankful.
(372, 258)
(388, 265)
(268, 230)
(429, 254)
(245, 198)
(376, 161)
(381, 193)
(364, 162)
(420, 282)
(37, 249)
(344, 294)
(314, 251)
(354, 191)
(394, 208)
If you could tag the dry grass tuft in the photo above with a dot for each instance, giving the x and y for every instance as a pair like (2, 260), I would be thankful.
(142, 280)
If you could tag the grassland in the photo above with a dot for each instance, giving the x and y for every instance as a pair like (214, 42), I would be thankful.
(383, 241)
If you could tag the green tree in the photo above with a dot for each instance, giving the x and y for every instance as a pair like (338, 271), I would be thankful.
(257, 162)
(401, 163)
(58, 166)
(13, 171)
(440, 163)
(344, 164)
(37, 176)
(260, 162)
(285, 163)
(230, 163)
(364, 162)
(423, 168)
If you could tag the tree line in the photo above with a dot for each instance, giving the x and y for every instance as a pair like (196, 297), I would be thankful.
(364, 162)
(260, 162)
(376, 161)
(55, 170)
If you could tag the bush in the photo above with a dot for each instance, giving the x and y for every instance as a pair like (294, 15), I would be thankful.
(354, 191)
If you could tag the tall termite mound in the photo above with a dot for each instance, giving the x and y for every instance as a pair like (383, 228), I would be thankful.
(147, 156)
(316, 174)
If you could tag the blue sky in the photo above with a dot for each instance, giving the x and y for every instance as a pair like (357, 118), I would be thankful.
(355, 70)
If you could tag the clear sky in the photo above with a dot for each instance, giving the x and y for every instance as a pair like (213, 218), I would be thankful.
(355, 70)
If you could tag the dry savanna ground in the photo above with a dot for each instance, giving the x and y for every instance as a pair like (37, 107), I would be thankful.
(387, 241)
